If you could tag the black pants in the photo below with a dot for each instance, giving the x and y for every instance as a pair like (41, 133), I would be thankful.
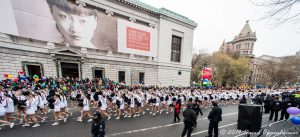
(284, 114)
(267, 108)
(272, 113)
(176, 116)
(213, 126)
(101, 134)
(188, 127)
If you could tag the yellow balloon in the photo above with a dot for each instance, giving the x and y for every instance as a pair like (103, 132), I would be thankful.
(10, 76)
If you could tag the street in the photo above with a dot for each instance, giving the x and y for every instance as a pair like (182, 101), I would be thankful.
(143, 126)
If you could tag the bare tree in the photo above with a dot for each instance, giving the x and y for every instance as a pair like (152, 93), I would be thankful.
(280, 73)
(280, 11)
(199, 60)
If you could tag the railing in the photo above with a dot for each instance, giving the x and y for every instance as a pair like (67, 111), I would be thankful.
(281, 128)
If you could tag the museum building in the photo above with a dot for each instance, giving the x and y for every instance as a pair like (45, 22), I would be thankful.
(123, 40)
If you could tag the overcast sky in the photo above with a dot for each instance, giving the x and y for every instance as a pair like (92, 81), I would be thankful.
(223, 19)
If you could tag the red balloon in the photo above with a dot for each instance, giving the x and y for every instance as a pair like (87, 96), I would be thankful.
(5, 75)
(206, 74)
(15, 80)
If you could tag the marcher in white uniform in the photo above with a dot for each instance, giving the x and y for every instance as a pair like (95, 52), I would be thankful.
(103, 106)
(10, 108)
(2, 113)
(57, 106)
(30, 111)
(85, 110)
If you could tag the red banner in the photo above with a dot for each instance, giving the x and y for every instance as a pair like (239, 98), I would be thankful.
(138, 39)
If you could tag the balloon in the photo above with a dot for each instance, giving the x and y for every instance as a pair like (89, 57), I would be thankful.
(5, 75)
(296, 120)
(43, 85)
(35, 76)
(21, 72)
(64, 88)
(44, 78)
(36, 79)
(22, 81)
(293, 111)
(10, 76)
(23, 77)
(15, 80)
(206, 73)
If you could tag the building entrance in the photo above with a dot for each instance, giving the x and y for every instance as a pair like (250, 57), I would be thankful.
(70, 70)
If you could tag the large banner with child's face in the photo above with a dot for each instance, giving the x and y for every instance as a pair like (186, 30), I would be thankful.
(63, 21)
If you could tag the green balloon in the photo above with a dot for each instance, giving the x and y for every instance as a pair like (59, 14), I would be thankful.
(64, 88)
(35, 76)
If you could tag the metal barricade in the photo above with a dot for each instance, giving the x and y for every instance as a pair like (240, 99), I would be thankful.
(281, 128)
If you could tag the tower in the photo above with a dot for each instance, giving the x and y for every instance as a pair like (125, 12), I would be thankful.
(243, 43)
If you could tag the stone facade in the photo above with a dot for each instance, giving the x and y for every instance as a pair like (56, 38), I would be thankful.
(243, 43)
(17, 52)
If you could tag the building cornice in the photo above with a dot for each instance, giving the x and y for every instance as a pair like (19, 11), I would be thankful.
(136, 4)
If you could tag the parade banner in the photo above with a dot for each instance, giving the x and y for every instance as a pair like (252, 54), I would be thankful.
(59, 21)
(136, 39)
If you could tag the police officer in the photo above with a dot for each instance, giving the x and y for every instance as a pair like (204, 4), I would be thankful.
(267, 103)
(257, 100)
(276, 106)
(284, 95)
(215, 116)
(98, 126)
(286, 104)
(190, 118)
(243, 100)
(197, 109)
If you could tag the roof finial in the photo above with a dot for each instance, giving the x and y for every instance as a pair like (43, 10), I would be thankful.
(247, 21)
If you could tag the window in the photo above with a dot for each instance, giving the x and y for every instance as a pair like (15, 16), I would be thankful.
(121, 76)
(176, 48)
(247, 45)
(98, 72)
(238, 46)
(141, 78)
(32, 68)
